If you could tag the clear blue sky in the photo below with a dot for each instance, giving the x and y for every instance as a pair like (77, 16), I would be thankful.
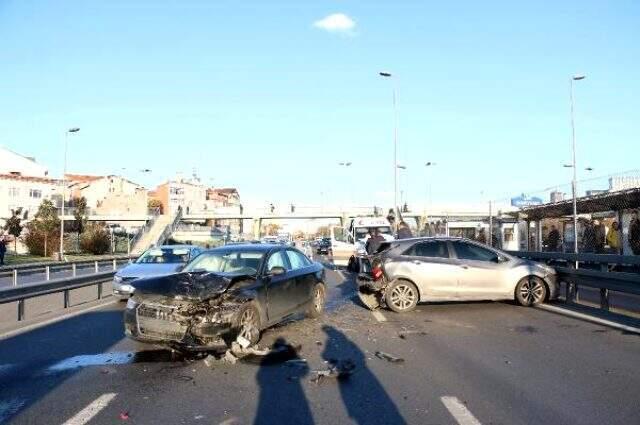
(251, 94)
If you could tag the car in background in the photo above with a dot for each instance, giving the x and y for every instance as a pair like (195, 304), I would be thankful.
(405, 272)
(157, 261)
(225, 293)
(324, 246)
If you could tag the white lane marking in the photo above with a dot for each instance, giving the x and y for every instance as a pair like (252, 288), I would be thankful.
(86, 414)
(52, 320)
(379, 316)
(341, 275)
(85, 360)
(459, 411)
(10, 407)
(588, 318)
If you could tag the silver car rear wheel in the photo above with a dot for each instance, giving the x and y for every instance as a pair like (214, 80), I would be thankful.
(530, 291)
(401, 296)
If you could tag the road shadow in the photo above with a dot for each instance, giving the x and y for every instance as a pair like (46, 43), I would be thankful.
(25, 359)
(282, 399)
(364, 397)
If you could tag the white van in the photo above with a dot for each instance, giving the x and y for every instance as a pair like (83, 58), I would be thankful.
(348, 243)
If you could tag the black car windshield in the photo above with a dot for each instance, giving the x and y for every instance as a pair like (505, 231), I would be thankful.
(164, 255)
(241, 262)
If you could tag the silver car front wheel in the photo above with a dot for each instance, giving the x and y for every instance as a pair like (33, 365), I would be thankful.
(530, 291)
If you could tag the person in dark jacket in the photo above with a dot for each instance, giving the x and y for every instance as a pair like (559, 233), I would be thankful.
(553, 239)
(634, 233)
(374, 241)
(3, 249)
(403, 231)
(589, 237)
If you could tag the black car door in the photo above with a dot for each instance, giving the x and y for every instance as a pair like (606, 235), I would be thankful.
(302, 272)
(280, 287)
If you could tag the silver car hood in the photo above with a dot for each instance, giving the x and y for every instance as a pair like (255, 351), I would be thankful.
(146, 270)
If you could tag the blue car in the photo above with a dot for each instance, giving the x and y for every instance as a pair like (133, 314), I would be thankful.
(158, 261)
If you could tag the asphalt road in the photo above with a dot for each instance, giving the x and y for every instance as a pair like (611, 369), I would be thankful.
(466, 363)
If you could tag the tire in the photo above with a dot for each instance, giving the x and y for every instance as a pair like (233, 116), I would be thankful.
(316, 305)
(531, 290)
(248, 322)
(401, 296)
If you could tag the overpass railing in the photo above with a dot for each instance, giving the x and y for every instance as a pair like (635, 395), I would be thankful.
(63, 285)
(606, 272)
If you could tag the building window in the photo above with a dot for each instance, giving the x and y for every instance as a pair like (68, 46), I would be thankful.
(177, 191)
(14, 192)
(35, 193)
(508, 235)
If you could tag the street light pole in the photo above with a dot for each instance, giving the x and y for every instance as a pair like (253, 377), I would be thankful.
(64, 188)
(395, 142)
(574, 182)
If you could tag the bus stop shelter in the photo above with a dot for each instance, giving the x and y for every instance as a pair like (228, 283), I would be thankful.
(620, 204)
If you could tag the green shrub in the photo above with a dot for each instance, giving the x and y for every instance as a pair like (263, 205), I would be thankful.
(95, 239)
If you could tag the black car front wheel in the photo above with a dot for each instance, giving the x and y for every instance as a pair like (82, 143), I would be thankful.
(248, 322)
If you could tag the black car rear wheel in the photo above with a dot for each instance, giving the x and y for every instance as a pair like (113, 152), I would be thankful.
(316, 307)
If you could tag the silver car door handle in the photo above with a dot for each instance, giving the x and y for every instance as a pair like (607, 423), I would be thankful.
(417, 262)
(463, 266)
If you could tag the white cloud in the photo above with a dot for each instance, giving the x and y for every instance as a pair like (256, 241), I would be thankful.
(336, 23)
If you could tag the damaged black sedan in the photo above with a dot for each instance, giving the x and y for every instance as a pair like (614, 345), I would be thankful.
(226, 294)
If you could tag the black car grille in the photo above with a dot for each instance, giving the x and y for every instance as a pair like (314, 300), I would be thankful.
(155, 321)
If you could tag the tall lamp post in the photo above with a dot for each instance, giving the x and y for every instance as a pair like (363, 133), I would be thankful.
(574, 184)
(395, 141)
(345, 164)
(64, 188)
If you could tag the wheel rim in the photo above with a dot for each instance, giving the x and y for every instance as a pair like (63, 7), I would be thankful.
(249, 325)
(403, 296)
(318, 302)
(532, 291)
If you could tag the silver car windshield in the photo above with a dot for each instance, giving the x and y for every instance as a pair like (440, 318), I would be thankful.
(245, 262)
(164, 255)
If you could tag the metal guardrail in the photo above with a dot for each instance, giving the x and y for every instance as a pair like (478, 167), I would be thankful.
(604, 279)
(64, 285)
(48, 267)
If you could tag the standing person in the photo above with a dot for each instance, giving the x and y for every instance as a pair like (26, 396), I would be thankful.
(589, 237)
(3, 249)
(634, 233)
(613, 238)
(373, 243)
(553, 239)
(601, 236)
(403, 231)
(482, 237)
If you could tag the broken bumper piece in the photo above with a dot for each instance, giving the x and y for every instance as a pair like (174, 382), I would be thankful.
(370, 291)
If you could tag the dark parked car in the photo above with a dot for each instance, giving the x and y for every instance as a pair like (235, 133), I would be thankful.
(225, 293)
(324, 246)
(409, 271)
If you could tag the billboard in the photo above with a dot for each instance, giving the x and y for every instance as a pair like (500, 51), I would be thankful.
(525, 201)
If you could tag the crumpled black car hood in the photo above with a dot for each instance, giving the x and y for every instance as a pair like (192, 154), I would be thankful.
(187, 286)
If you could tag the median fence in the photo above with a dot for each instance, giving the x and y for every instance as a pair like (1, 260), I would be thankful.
(20, 291)
(617, 273)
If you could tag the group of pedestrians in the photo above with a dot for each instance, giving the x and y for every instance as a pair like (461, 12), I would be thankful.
(596, 238)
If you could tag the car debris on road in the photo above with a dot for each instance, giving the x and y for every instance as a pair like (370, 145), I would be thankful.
(388, 357)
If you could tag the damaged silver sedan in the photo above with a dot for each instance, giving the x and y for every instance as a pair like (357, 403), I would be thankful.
(405, 272)
(224, 295)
